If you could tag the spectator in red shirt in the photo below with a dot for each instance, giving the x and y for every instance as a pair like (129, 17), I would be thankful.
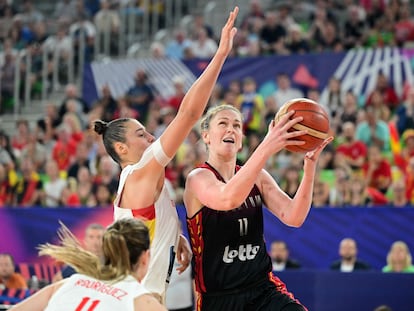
(64, 149)
(377, 170)
(391, 99)
(179, 87)
(351, 152)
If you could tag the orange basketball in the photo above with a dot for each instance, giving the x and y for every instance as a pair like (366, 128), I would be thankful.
(315, 121)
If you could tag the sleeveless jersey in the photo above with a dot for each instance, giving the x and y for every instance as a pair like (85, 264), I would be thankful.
(82, 293)
(162, 221)
(228, 246)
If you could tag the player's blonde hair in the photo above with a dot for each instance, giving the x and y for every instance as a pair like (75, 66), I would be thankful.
(209, 115)
(123, 243)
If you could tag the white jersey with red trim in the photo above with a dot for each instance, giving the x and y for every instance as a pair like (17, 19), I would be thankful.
(162, 221)
(84, 293)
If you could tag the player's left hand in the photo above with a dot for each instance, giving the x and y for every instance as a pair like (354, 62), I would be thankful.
(184, 254)
(314, 155)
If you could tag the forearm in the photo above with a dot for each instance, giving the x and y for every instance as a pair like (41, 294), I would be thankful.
(302, 201)
(238, 188)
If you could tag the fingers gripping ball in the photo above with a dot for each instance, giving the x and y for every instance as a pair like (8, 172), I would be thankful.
(315, 121)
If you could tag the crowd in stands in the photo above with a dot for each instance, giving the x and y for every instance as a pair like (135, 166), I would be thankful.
(60, 162)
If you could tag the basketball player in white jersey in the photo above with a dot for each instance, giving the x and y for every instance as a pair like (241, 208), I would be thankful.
(142, 192)
(114, 285)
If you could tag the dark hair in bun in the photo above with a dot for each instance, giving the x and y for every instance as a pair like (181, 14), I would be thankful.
(100, 127)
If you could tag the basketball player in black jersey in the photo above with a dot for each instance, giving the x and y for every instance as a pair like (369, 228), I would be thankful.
(233, 270)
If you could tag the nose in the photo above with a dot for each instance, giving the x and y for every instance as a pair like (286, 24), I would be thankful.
(150, 137)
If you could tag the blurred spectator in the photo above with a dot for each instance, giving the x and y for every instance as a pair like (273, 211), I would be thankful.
(399, 258)
(404, 27)
(253, 139)
(279, 253)
(254, 13)
(175, 47)
(350, 108)
(404, 113)
(355, 27)
(65, 10)
(70, 197)
(199, 23)
(27, 190)
(389, 95)
(92, 241)
(7, 157)
(373, 130)
(348, 253)
(91, 7)
(179, 91)
(216, 96)
(107, 174)
(59, 45)
(350, 152)
(203, 46)
(141, 95)
(7, 75)
(107, 102)
(64, 150)
(284, 90)
(53, 186)
(272, 35)
(7, 6)
(333, 102)
(321, 191)
(290, 180)
(107, 22)
(22, 137)
(80, 160)
(251, 105)
(339, 194)
(377, 101)
(103, 196)
(374, 10)
(296, 41)
(72, 94)
(84, 187)
(29, 12)
(167, 114)
(5, 187)
(36, 151)
(398, 194)
(46, 127)
(83, 29)
(8, 277)
(377, 170)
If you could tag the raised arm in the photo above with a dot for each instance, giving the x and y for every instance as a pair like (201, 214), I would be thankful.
(202, 188)
(292, 212)
(196, 99)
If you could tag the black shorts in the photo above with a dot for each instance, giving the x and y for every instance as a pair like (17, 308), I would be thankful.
(265, 296)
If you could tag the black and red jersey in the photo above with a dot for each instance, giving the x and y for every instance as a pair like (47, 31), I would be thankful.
(228, 246)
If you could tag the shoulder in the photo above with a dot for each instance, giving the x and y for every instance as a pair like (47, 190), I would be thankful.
(199, 172)
(335, 265)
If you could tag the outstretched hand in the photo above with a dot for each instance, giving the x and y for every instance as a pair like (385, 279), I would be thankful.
(314, 154)
(228, 32)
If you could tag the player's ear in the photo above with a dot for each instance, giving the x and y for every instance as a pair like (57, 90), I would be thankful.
(120, 148)
(206, 137)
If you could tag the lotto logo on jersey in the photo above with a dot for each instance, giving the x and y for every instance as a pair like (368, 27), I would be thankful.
(244, 253)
